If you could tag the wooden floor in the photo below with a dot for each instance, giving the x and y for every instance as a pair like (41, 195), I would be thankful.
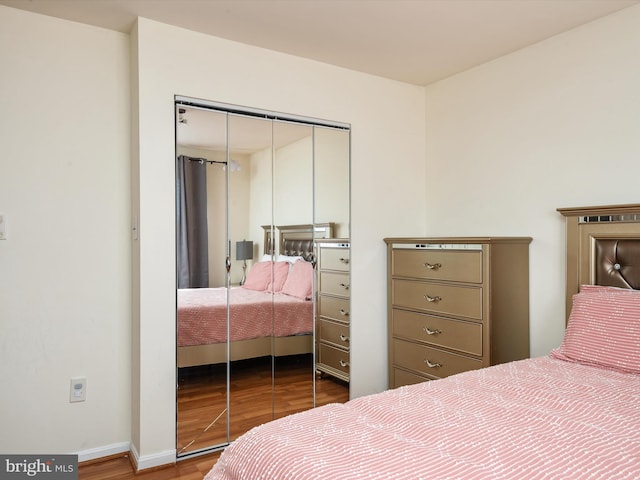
(255, 399)
(119, 468)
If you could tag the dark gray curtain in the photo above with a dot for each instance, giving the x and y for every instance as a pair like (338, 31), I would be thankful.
(191, 223)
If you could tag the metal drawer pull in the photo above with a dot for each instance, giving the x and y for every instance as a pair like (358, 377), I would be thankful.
(343, 363)
(433, 266)
(428, 331)
(344, 338)
(344, 260)
(344, 312)
(430, 299)
(431, 365)
(345, 286)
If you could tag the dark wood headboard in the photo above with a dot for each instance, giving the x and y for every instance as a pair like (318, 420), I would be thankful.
(603, 247)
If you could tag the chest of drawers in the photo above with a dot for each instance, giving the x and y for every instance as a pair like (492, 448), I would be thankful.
(455, 304)
(333, 308)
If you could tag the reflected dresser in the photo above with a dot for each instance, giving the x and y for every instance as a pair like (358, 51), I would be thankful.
(332, 321)
(455, 304)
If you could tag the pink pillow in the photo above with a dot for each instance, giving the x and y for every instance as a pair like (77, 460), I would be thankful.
(605, 289)
(280, 272)
(603, 329)
(259, 276)
(299, 282)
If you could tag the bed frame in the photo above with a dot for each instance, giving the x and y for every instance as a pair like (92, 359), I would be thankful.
(296, 240)
(293, 240)
(603, 247)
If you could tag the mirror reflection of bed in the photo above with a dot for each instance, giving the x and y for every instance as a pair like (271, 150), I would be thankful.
(258, 176)
(271, 320)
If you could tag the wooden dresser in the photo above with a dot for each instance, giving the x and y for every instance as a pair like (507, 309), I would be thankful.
(455, 304)
(332, 322)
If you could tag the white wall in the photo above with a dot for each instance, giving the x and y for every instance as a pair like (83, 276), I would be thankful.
(65, 268)
(553, 125)
(293, 179)
(388, 127)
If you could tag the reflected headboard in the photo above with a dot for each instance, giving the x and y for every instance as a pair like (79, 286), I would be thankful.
(296, 240)
(603, 247)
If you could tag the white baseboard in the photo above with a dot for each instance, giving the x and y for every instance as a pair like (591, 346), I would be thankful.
(105, 451)
(168, 457)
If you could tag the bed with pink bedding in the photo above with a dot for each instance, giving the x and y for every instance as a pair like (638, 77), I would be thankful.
(540, 418)
(271, 314)
(202, 315)
(574, 414)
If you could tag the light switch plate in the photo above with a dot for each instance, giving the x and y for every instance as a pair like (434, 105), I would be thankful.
(3, 226)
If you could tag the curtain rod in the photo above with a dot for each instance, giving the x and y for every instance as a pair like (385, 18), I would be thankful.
(257, 112)
(204, 160)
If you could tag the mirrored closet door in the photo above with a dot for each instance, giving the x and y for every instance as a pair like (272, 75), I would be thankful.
(255, 195)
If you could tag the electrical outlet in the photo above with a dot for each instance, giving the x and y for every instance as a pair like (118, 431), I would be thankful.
(78, 389)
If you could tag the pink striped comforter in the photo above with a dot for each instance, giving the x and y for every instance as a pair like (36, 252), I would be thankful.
(202, 316)
(534, 419)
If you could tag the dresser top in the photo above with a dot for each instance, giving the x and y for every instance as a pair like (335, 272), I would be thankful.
(456, 240)
(342, 242)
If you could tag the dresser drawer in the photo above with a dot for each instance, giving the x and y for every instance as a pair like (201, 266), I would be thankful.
(431, 361)
(334, 283)
(438, 298)
(333, 357)
(402, 377)
(334, 333)
(333, 307)
(334, 259)
(450, 265)
(458, 335)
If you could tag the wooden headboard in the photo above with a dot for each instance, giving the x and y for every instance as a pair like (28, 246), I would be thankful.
(603, 247)
(295, 240)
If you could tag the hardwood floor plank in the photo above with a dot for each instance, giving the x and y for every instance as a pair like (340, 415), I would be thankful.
(202, 397)
(121, 469)
(254, 397)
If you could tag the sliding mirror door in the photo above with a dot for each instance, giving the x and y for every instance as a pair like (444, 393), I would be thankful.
(331, 148)
(265, 192)
(201, 251)
(250, 301)
(294, 306)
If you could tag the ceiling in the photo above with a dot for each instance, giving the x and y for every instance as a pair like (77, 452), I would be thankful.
(413, 41)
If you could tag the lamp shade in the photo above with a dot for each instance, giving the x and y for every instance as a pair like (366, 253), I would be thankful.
(244, 250)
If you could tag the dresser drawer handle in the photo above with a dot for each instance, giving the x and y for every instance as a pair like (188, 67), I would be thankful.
(345, 286)
(431, 365)
(344, 260)
(430, 299)
(433, 266)
(428, 331)
(344, 338)
(343, 363)
(344, 313)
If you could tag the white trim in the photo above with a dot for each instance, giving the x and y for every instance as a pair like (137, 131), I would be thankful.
(168, 457)
(104, 451)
